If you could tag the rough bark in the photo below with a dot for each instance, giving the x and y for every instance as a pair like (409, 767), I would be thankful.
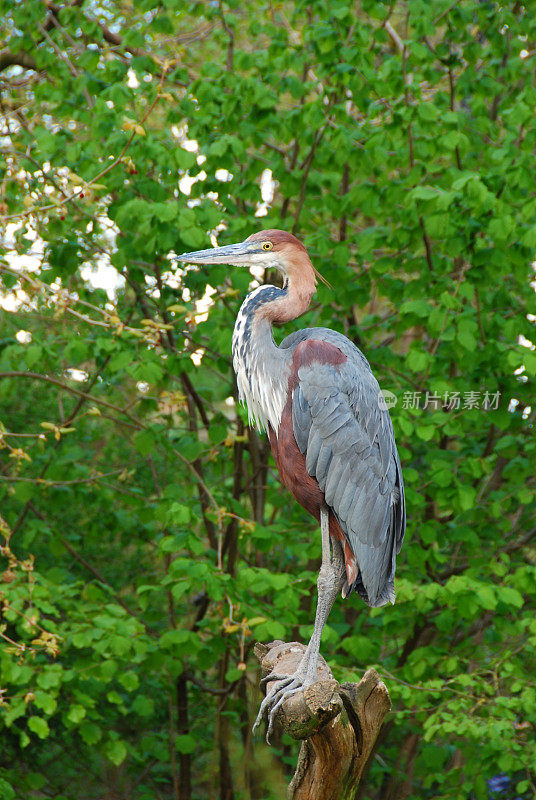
(337, 724)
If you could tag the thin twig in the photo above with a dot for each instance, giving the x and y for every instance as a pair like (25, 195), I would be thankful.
(230, 34)
(445, 12)
(81, 560)
(307, 164)
(45, 482)
(394, 36)
(55, 382)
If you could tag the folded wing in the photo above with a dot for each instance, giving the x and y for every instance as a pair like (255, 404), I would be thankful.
(348, 442)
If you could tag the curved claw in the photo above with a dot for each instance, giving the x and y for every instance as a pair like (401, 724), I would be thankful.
(273, 676)
(270, 697)
(286, 686)
(288, 692)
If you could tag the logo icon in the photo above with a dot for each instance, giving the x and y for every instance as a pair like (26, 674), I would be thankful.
(386, 400)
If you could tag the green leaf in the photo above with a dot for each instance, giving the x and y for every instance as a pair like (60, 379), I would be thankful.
(219, 147)
(218, 433)
(419, 307)
(193, 237)
(39, 726)
(427, 111)
(116, 751)
(76, 713)
(486, 597)
(50, 677)
(417, 360)
(425, 432)
(184, 158)
(148, 371)
(144, 706)
(271, 630)
(129, 680)
(180, 588)
(165, 212)
(467, 495)
(501, 227)
(185, 743)
(520, 113)
(46, 702)
(467, 340)
(144, 442)
(6, 790)
(33, 354)
(454, 139)
(510, 596)
(90, 733)
(529, 362)
(120, 361)
(233, 674)
(423, 193)
(178, 514)
(529, 237)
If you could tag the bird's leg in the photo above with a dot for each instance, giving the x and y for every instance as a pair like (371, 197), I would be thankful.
(329, 583)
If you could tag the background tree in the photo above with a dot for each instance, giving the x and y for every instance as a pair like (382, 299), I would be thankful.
(147, 541)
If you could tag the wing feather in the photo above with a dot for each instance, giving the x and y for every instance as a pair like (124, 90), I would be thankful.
(349, 447)
(322, 465)
(301, 420)
(312, 450)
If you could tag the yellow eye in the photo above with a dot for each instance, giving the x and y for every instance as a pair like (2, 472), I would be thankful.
(267, 245)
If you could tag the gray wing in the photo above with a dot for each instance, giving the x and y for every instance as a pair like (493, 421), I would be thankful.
(350, 449)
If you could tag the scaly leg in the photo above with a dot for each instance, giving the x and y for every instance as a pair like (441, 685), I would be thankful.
(329, 583)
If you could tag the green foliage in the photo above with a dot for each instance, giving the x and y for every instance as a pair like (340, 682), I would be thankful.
(147, 542)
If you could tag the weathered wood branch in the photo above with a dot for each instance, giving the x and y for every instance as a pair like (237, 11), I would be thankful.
(20, 59)
(337, 723)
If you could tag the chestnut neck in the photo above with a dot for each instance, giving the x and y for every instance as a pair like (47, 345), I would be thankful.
(262, 368)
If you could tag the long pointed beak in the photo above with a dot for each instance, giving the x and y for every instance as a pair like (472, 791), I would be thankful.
(236, 254)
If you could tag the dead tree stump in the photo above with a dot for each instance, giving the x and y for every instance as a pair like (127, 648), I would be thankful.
(337, 724)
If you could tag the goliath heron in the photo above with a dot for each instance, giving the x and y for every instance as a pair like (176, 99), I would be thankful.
(331, 435)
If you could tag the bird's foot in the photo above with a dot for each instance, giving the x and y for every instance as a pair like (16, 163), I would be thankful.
(284, 687)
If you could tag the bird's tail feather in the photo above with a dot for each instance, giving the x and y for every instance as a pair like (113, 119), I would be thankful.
(386, 596)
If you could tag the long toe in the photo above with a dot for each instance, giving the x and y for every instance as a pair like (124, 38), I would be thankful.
(274, 676)
(275, 698)
(272, 714)
(271, 697)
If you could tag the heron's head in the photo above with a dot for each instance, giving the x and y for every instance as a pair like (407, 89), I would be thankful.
(271, 249)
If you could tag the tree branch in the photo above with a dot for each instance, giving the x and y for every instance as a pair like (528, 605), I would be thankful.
(55, 382)
(20, 59)
(230, 34)
(307, 164)
(427, 245)
(337, 723)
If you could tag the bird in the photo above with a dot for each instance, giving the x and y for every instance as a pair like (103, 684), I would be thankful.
(330, 432)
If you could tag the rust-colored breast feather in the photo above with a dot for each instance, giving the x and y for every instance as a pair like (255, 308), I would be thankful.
(291, 465)
(290, 461)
